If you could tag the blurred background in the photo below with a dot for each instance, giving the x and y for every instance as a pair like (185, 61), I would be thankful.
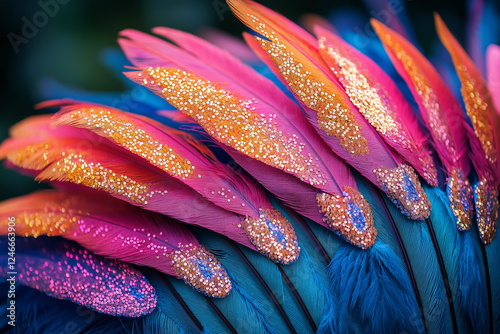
(66, 44)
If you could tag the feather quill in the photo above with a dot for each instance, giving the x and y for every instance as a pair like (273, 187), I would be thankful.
(268, 128)
(485, 143)
(293, 55)
(441, 113)
(65, 271)
(117, 230)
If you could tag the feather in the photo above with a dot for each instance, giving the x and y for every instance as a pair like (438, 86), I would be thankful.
(379, 100)
(127, 177)
(484, 119)
(174, 152)
(308, 165)
(422, 256)
(293, 55)
(236, 46)
(38, 313)
(442, 115)
(131, 235)
(462, 259)
(360, 280)
(64, 271)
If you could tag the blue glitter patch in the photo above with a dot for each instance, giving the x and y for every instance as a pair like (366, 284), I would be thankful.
(205, 271)
(276, 232)
(358, 218)
(409, 188)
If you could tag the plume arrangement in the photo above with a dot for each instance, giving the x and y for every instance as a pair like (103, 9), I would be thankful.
(341, 192)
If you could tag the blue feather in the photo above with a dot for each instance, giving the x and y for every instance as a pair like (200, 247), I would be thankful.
(362, 279)
(493, 257)
(463, 263)
(422, 256)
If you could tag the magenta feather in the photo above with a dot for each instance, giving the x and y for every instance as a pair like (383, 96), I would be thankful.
(132, 178)
(493, 75)
(117, 230)
(293, 55)
(379, 100)
(288, 142)
(65, 271)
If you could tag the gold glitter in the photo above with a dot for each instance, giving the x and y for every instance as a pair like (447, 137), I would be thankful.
(78, 169)
(201, 269)
(334, 116)
(435, 117)
(403, 188)
(349, 216)
(273, 235)
(366, 94)
(477, 109)
(234, 121)
(460, 195)
(132, 136)
(34, 224)
(486, 202)
(34, 157)
(374, 102)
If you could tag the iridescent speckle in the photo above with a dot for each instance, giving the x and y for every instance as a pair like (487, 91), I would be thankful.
(459, 193)
(486, 202)
(129, 134)
(273, 235)
(69, 272)
(402, 186)
(234, 121)
(200, 269)
(349, 216)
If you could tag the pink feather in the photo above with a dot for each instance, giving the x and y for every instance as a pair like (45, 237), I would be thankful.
(493, 75)
(485, 142)
(117, 230)
(293, 55)
(391, 115)
(104, 166)
(288, 124)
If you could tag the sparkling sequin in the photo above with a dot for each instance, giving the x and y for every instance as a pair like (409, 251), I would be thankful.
(435, 116)
(486, 202)
(200, 269)
(273, 235)
(78, 169)
(349, 216)
(234, 121)
(477, 109)
(459, 193)
(69, 272)
(373, 102)
(402, 186)
(366, 94)
(133, 137)
(334, 116)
